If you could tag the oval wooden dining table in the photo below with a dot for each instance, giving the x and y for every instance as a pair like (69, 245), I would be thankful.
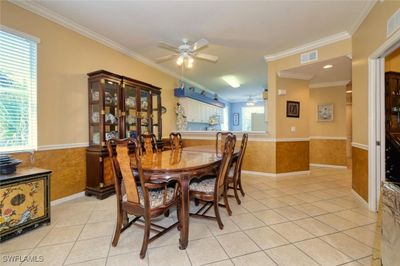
(181, 165)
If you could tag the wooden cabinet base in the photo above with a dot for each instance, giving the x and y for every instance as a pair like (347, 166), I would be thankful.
(100, 193)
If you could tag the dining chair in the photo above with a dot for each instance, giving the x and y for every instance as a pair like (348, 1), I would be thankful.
(175, 140)
(220, 141)
(149, 142)
(145, 200)
(211, 189)
(234, 178)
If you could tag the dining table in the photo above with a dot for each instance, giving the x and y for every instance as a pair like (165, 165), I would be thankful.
(182, 165)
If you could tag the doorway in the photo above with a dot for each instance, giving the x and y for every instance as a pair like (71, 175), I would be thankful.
(376, 122)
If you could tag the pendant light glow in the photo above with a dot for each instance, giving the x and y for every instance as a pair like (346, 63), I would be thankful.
(232, 81)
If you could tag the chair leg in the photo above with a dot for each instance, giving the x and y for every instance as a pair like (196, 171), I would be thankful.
(117, 232)
(216, 210)
(235, 191)
(225, 196)
(239, 181)
(147, 224)
(196, 202)
(178, 215)
(166, 213)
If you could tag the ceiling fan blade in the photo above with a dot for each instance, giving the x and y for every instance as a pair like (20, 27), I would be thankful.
(207, 57)
(165, 58)
(200, 44)
(168, 46)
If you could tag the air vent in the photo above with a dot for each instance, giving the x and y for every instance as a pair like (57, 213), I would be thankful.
(309, 57)
(393, 23)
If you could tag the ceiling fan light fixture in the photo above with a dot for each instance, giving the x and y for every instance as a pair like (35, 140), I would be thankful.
(179, 61)
(232, 81)
(250, 101)
(189, 62)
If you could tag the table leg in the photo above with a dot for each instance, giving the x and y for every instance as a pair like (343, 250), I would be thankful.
(184, 217)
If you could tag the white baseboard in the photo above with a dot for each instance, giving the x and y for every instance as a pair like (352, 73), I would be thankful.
(258, 173)
(67, 198)
(293, 173)
(360, 199)
(275, 174)
(328, 165)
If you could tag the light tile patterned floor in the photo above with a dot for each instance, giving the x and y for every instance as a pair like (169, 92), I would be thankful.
(294, 220)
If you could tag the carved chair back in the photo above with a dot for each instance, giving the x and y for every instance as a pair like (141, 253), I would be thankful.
(243, 146)
(149, 143)
(229, 147)
(220, 142)
(175, 140)
(125, 155)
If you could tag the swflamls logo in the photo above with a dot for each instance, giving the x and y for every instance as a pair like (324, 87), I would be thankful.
(27, 258)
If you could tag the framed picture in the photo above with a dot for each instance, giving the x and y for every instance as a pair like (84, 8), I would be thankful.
(235, 119)
(292, 109)
(325, 112)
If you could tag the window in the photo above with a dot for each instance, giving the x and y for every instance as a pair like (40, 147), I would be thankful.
(251, 121)
(18, 60)
(225, 124)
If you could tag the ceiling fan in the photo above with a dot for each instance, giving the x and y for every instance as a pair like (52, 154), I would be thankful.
(186, 52)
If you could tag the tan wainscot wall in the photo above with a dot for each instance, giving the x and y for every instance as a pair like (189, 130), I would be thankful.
(68, 168)
(259, 157)
(326, 151)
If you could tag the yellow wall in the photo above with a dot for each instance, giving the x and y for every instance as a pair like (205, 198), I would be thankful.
(296, 90)
(333, 50)
(64, 59)
(370, 35)
(328, 95)
(392, 61)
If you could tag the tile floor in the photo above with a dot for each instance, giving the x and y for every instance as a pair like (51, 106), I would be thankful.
(295, 220)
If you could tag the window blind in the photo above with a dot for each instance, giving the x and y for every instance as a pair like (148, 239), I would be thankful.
(18, 77)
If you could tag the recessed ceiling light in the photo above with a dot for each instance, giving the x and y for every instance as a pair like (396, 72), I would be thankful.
(232, 81)
(328, 66)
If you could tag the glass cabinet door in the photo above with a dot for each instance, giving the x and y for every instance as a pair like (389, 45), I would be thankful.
(130, 110)
(111, 111)
(155, 116)
(145, 112)
(94, 113)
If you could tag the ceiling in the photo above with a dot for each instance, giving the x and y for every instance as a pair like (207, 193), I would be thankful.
(341, 71)
(240, 33)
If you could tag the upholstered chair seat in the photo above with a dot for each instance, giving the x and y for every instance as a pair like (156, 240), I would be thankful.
(206, 185)
(156, 196)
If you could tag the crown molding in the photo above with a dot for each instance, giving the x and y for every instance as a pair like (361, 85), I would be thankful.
(368, 7)
(294, 75)
(69, 24)
(309, 46)
(329, 84)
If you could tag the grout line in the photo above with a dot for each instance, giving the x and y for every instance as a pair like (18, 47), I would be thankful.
(76, 240)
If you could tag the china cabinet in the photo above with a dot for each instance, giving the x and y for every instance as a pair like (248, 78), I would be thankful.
(392, 106)
(392, 93)
(119, 107)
